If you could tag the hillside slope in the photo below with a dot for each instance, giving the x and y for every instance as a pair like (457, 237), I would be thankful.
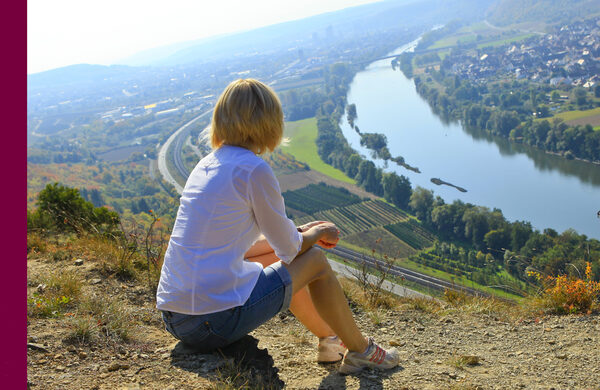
(507, 12)
(478, 344)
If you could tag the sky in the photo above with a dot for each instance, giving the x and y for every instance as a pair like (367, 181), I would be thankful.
(66, 32)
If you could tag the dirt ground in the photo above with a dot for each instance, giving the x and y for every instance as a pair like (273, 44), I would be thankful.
(446, 349)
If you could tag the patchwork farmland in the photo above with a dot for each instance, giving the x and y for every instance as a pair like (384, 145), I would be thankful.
(358, 217)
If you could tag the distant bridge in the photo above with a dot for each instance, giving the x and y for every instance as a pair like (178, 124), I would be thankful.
(376, 59)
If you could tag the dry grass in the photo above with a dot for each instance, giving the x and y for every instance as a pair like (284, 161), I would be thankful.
(364, 299)
(113, 318)
(54, 295)
(461, 361)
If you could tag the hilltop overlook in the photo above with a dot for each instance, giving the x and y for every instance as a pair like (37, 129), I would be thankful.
(454, 144)
(103, 332)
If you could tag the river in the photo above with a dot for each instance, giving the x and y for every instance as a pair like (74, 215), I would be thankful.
(525, 183)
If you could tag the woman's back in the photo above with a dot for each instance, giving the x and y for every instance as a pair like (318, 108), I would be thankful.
(204, 269)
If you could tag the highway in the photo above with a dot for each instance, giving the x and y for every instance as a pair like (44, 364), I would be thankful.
(177, 160)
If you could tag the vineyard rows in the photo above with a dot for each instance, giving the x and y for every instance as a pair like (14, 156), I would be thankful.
(358, 217)
(318, 197)
(411, 232)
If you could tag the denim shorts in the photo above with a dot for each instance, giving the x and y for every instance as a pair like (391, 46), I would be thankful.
(206, 332)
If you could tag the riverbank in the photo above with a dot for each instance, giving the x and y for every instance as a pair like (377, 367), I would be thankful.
(497, 176)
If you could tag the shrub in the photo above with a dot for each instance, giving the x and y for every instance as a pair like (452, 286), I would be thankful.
(565, 295)
(63, 209)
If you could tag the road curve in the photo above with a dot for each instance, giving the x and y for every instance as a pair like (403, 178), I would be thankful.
(162, 153)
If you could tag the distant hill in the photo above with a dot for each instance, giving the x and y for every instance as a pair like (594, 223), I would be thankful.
(376, 16)
(78, 74)
(328, 26)
(507, 12)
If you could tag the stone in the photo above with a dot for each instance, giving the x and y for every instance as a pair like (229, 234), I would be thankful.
(78, 262)
(82, 355)
(117, 366)
(37, 347)
(95, 281)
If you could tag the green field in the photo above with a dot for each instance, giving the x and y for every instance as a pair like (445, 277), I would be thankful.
(577, 114)
(453, 40)
(302, 145)
(504, 41)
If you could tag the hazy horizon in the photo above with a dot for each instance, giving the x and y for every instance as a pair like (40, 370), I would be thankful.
(69, 32)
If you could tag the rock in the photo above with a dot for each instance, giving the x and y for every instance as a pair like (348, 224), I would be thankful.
(562, 357)
(420, 328)
(82, 355)
(60, 368)
(40, 288)
(117, 366)
(37, 347)
(95, 281)
(78, 262)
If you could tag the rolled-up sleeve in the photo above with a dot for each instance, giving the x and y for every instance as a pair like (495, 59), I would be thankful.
(269, 211)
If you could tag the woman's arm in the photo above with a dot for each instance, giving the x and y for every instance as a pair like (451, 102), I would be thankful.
(259, 248)
(262, 247)
(324, 234)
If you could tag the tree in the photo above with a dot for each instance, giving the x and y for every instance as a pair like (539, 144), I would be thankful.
(580, 96)
(421, 202)
(369, 178)
(351, 165)
(520, 232)
(476, 225)
(497, 240)
(555, 96)
(396, 189)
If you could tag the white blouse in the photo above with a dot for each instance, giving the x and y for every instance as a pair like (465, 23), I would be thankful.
(230, 198)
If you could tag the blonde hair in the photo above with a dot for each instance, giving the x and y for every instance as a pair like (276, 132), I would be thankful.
(247, 114)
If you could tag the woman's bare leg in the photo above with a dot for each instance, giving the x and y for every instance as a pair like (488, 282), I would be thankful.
(313, 270)
(301, 305)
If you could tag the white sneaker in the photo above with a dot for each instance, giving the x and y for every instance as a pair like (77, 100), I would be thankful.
(331, 350)
(374, 357)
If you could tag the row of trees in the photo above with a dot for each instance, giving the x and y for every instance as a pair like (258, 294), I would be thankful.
(516, 244)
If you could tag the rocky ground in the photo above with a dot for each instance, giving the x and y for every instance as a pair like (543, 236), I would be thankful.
(478, 345)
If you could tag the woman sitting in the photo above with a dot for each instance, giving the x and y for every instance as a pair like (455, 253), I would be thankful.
(235, 260)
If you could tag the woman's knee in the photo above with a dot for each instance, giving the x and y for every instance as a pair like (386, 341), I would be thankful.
(319, 261)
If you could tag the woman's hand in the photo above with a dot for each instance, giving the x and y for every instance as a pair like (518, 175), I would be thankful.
(328, 234)
(307, 226)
